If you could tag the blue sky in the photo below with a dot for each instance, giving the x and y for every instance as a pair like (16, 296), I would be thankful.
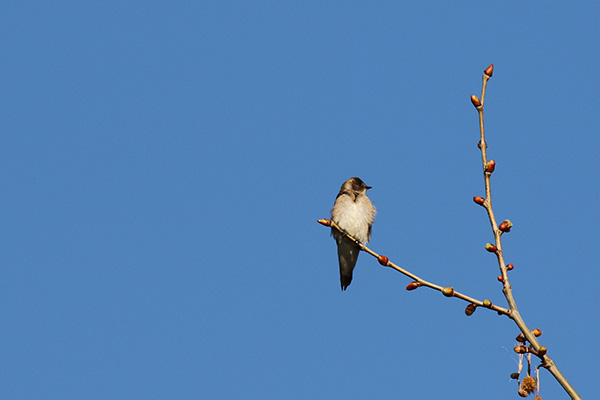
(164, 166)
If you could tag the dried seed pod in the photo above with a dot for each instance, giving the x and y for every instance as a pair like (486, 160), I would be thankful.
(529, 384)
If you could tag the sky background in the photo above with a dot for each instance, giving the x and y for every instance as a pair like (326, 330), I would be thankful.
(163, 165)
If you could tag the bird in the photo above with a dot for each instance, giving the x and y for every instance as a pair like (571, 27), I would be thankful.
(354, 213)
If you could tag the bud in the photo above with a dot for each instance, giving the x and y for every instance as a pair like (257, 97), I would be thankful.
(479, 145)
(470, 309)
(479, 200)
(490, 166)
(521, 338)
(523, 393)
(475, 100)
(383, 260)
(520, 349)
(489, 70)
(505, 226)
(500, 278)
(542, 351)
(412, 286)
(448, 291)
(491, 248)
(487, 303)
(325, 222)
(509, 267)
(537, 332)
(514, 375)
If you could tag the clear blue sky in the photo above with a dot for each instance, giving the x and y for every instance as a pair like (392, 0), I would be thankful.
(163, 166)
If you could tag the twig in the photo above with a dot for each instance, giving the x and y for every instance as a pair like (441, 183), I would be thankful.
(446, 291)
(488, 168)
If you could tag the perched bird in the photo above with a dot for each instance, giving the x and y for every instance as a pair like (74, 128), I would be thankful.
(354, 213)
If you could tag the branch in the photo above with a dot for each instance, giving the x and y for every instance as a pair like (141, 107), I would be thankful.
(446, 291)
(488, 168)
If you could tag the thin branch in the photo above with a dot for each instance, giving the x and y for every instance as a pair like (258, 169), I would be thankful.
(488, 168)
(446, 291)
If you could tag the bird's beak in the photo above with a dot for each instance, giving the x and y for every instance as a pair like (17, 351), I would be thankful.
(369, 187)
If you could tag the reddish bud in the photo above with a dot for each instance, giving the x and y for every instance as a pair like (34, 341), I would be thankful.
(475, 100)
(505, 226)
(448, 291)
(542, 351)
(412, 286)
(489, 70)
(537, 332)
(520, 349)
(479, 200)
(509, 267)
(470, 309)
(490, 166)
(500, 278)
(491, 248)
(383, 260)
(479, 145)
(514, 375)
(325, 222)
(521, 338)
(487, 303)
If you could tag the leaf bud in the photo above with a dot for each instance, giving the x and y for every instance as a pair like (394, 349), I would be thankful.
(491, 248)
